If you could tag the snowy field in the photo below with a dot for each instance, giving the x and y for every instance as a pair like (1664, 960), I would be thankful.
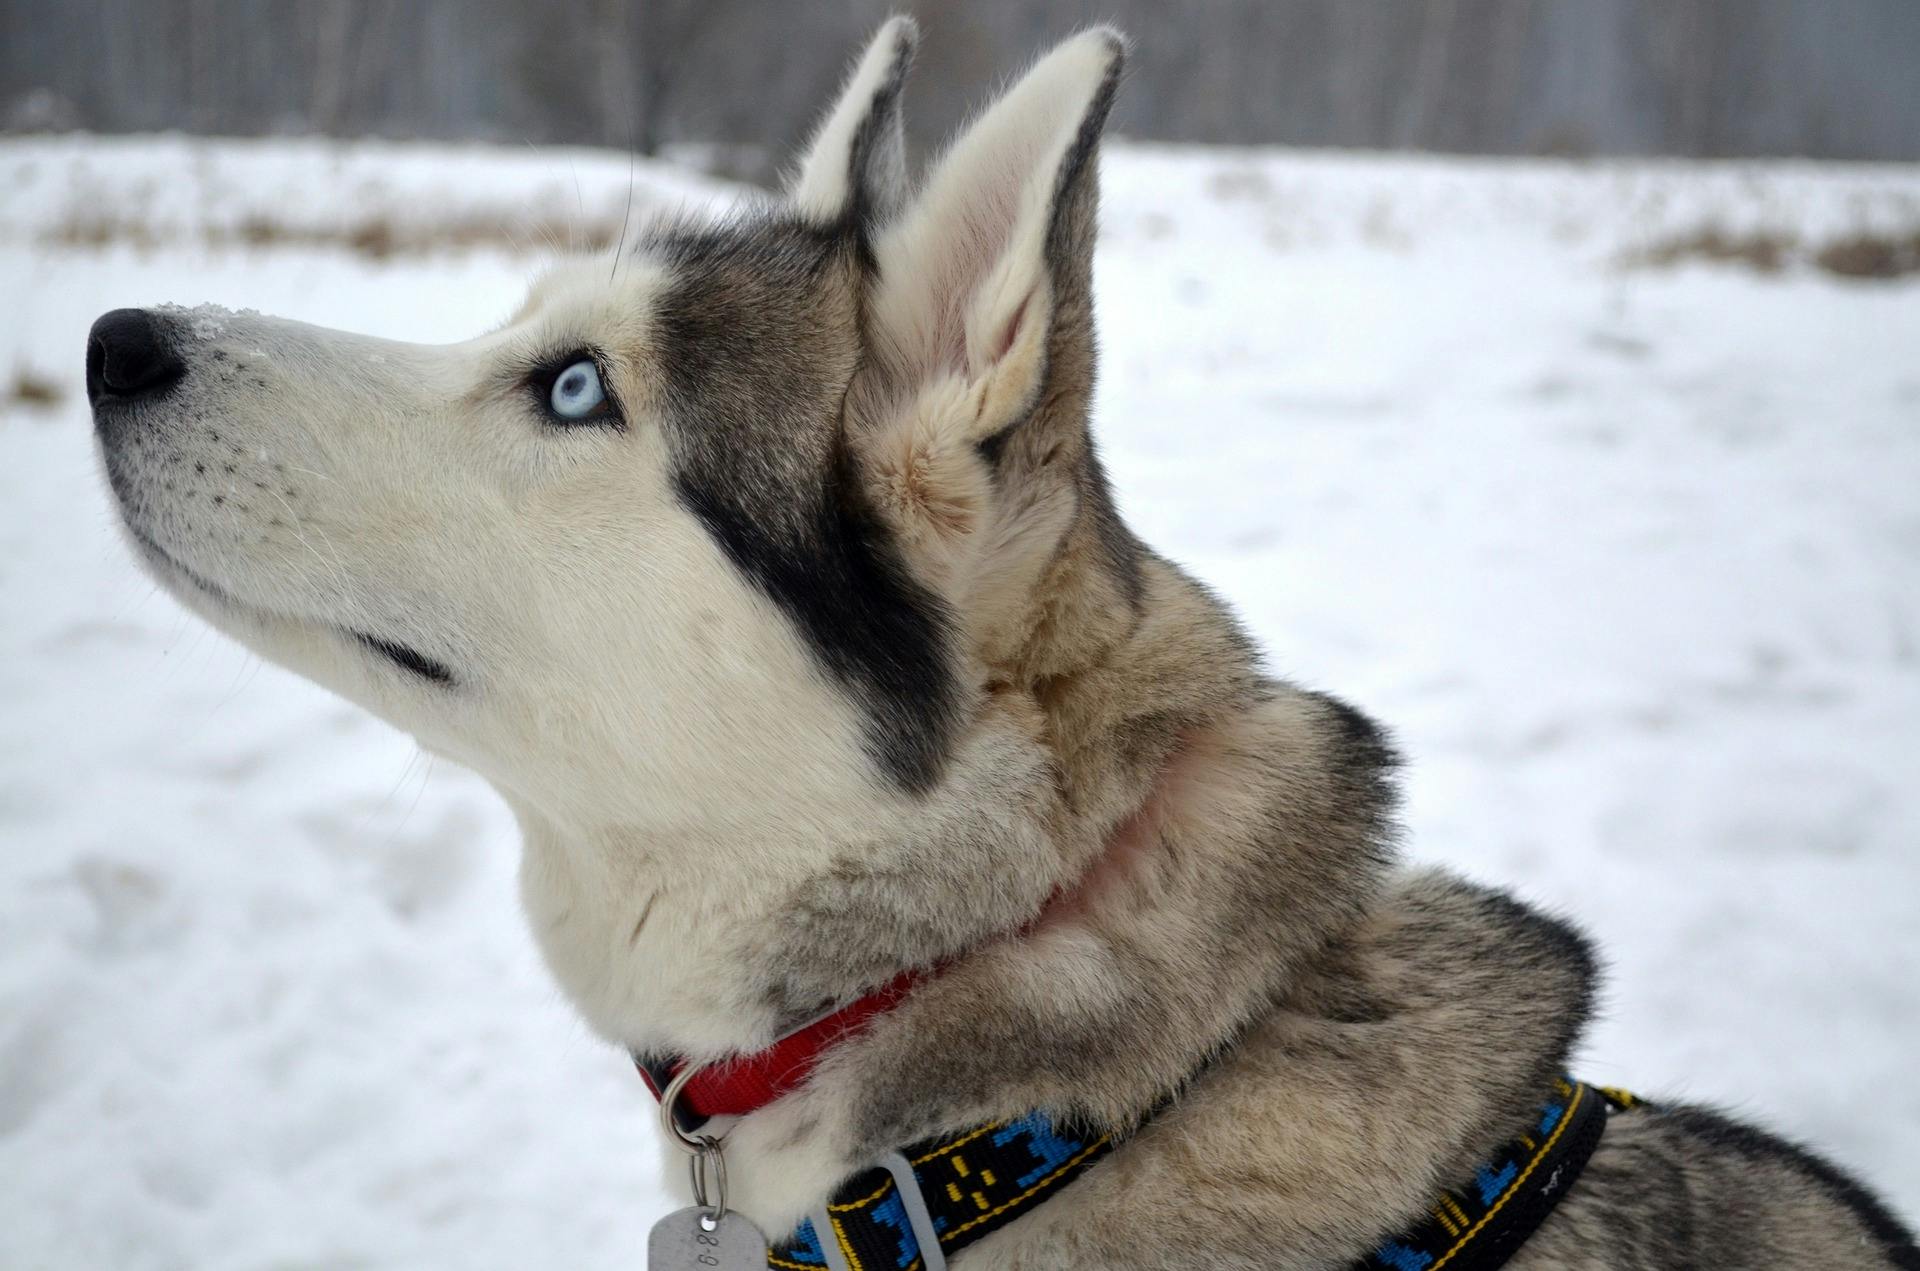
(1628, 557)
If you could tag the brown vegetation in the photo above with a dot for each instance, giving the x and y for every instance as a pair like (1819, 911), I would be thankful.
(1760, 250)
(32, 389)
(1869, 255)
(376, 238)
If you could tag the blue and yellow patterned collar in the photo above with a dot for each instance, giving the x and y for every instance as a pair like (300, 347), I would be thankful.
(919, 1207)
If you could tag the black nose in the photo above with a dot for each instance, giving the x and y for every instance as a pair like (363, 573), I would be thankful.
(130, 354)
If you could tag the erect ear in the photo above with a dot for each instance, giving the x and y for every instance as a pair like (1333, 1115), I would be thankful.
(987, 276)
(972, 412)
(856, 168)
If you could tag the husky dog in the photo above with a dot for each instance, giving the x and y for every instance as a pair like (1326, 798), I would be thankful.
(773, 579)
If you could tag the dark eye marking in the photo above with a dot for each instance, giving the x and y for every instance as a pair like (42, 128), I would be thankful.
(572, 389)
(407, 659)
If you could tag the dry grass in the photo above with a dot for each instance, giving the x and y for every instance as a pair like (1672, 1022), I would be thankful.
(1763, 251)
(375, 238)
(33, 390)
(1871, 256)
(1863, 255)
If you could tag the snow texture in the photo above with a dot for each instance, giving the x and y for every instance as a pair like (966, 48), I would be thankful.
(1629, 559)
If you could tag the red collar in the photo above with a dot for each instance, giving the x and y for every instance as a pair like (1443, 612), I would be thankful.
(747, 1083)
(741, 1084)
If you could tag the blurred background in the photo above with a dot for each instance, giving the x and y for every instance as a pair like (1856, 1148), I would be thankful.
(1825, 79)
(1539, 375)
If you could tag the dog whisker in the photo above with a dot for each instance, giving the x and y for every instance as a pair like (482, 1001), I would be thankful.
(646, 911)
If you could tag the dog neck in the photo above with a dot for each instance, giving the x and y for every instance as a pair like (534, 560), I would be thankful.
(668, 950)
(747, 1082)
(1212, 833)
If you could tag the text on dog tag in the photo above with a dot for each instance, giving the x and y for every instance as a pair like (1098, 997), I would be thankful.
(682, 1241)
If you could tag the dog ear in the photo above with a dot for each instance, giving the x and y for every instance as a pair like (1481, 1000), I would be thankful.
(995, 256)
(972, 416)
(856, 168)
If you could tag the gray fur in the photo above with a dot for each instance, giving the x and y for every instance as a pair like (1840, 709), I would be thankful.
(1343, 1042)
(757, 347)
(877, 155)
(1151, 875)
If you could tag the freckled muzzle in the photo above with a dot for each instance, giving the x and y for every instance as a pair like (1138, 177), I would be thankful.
(165, 452)
(199, 460)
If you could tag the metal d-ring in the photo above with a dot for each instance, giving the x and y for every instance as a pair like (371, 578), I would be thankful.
(693, 1144)
(700, 1149)
(697, 1170)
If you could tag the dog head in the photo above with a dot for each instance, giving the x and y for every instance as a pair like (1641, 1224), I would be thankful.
(742, 526)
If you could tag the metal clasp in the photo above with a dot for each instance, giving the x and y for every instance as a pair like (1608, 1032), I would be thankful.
(706, 1164)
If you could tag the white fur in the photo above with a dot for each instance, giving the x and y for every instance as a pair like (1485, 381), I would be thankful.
(821, 187)
(676, 758)
(961, 316)
(967, 257)
(628, 692)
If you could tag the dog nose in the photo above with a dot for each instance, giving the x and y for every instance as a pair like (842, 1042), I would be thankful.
(130, 354)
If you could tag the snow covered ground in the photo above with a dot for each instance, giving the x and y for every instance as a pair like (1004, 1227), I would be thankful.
(1629, 558)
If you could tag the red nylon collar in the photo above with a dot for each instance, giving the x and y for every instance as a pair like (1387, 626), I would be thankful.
(747, 1083)
(741, 1084)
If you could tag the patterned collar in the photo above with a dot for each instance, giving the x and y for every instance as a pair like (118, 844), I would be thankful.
(918, 1208)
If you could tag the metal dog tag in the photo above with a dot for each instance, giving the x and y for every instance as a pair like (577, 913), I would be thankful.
(683, 1241)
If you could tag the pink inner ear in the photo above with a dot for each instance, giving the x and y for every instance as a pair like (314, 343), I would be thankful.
(978, 231)
(1004, 345)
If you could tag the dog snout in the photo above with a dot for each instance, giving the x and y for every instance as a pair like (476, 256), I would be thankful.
(130, 355)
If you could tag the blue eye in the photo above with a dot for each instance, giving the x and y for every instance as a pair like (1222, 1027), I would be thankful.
(576, 391)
